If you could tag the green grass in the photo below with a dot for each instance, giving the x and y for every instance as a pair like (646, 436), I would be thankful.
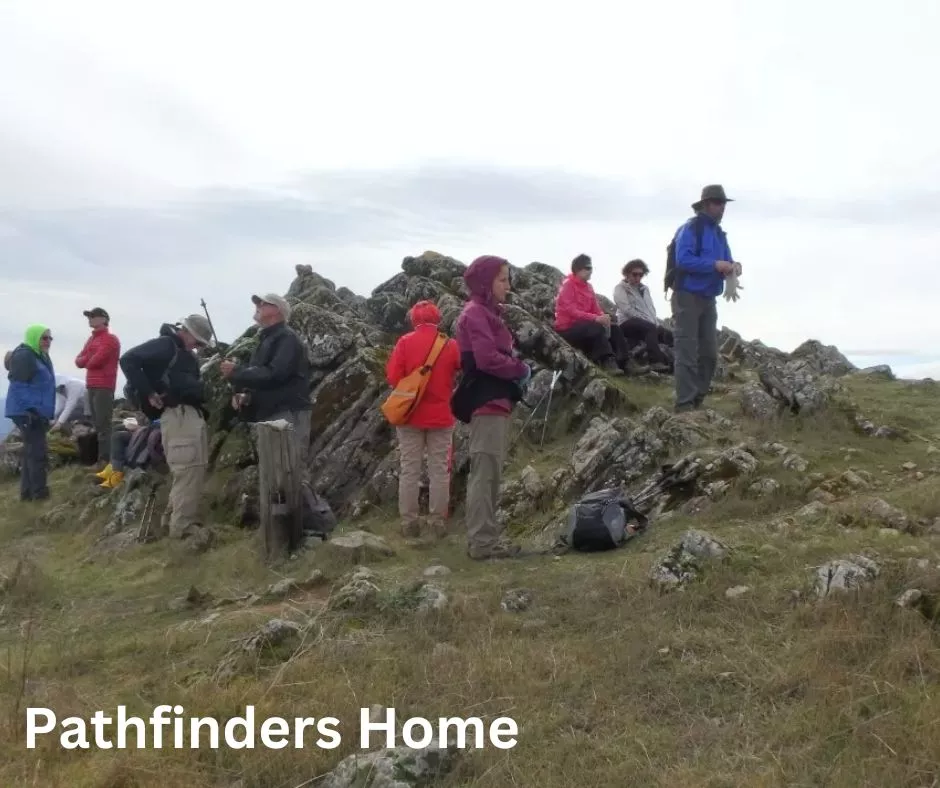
(612, 682)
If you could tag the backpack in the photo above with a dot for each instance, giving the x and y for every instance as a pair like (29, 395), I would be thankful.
(599, 521)
(131, 394)
(671, 280)
(401, 403)
(318, 517)
(143, 448)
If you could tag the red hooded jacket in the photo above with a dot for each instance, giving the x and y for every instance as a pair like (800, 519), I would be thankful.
(576, 303)
(411, 351)
(100, 358)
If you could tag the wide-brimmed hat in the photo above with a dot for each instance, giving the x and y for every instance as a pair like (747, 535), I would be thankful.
(199, 327)
(714, 192)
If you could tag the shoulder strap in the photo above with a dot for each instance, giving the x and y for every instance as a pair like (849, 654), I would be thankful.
(439, 341)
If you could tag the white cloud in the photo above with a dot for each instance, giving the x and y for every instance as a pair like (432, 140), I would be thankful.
(812, 115)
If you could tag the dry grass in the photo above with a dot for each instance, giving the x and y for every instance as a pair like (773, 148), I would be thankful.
(611, 682)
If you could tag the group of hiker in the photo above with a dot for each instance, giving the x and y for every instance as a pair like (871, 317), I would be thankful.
(477, 378)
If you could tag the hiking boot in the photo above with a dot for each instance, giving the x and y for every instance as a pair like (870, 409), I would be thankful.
(633, 367)
(438, 527)
(411, 529)
(104, 473)
(113, 480)
(662, 368)
(498, 551)
(611, 366)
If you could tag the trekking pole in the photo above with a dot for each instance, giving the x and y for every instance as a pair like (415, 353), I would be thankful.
(534, 411)
(555, 375)
(202, 303)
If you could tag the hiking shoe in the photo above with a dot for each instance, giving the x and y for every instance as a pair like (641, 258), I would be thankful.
(611, 366)
(661, 368)
(411, 529)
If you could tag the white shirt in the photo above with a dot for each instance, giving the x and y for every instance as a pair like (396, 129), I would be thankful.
(64, 405)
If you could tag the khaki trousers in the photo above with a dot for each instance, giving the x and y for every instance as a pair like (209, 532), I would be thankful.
(413, 444)
(488, 439)
(186, 446)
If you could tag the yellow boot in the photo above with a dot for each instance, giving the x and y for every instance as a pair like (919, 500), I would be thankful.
(105, 473)
(113, 480)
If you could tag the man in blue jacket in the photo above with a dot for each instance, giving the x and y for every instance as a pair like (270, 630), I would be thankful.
(702, 261)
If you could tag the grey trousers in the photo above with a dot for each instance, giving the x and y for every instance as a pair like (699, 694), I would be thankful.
(696, 346)
(101, 412)
(488, 439)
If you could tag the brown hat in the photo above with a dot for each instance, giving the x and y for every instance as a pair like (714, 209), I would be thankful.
(714, 192)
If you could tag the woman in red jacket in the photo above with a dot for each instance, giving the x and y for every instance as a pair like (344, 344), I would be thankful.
(430, 428)
(581, 322)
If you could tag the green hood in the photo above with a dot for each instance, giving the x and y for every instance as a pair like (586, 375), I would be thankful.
(33, 333)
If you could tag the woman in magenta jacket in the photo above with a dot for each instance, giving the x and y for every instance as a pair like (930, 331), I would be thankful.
(491, 385)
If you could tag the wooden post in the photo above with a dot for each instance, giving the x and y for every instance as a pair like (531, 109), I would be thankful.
(280, 498)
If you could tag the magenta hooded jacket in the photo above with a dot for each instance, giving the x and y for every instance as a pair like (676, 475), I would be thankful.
(482, 332)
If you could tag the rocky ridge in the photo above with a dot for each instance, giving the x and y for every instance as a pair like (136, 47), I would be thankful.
(614, 441)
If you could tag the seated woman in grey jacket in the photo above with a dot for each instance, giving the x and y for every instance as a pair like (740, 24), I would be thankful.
(636, 315)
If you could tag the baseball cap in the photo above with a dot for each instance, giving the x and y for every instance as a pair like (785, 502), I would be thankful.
(274, 300)
(96, 312)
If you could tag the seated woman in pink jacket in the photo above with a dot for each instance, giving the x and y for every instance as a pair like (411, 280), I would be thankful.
(582, 323)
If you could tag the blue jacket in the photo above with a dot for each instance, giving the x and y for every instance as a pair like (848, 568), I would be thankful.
(32, 384)
(696, 272)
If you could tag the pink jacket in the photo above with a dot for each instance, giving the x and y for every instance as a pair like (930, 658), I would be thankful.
(576, 303)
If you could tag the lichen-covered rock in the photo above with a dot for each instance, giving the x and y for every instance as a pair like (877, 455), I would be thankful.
(845, 574)
(684, 562)
(401, 767)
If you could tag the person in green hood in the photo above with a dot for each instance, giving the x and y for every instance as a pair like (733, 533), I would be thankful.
(30, 405)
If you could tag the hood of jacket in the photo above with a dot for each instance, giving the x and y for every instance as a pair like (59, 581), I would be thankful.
(480, 277)
(169, 330)
(33, 335)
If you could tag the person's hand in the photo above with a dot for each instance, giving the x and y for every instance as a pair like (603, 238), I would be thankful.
(603, 320)
(227, 367)
(526, 376)
(156, 400)
(724, 267)
(239, 400)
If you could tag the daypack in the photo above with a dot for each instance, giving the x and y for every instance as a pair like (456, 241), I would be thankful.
(601, 521)
(145, 447)
(401, 403)
(671, 280)
(131, 394)
(318, 517)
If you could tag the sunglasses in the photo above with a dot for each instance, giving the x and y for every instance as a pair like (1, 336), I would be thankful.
(45, 338)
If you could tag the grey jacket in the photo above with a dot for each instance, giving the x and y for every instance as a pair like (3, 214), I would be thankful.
(634, 301)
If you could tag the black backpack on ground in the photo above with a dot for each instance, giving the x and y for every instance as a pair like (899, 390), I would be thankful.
(601, 521)
(671, 280)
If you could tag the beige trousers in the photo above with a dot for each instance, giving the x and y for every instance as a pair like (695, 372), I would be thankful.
(186, 446)
(413, 444)
(488, 439)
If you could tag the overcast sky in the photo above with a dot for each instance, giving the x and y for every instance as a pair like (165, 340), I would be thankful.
(203, 149)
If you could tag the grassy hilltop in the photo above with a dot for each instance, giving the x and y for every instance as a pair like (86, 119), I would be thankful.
(743, 677)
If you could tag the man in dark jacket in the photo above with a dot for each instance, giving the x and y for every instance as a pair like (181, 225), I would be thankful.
(276, 382)
(163, 376)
